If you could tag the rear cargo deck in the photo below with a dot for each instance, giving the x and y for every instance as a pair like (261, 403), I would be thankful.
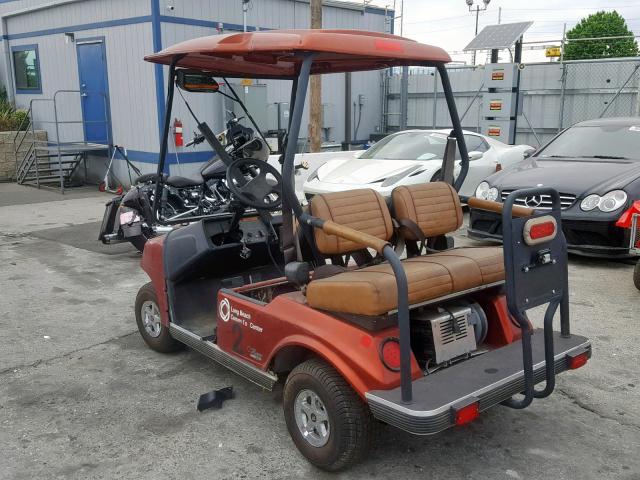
(492, 378)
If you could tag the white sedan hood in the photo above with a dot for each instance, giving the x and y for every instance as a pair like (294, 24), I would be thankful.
(358, 171)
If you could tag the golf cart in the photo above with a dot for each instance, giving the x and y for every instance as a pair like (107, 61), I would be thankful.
(320, 299)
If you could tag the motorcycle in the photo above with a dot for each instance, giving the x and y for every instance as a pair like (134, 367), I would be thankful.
(130, 217)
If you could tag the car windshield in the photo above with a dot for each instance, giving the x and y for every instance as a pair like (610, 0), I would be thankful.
(620, 142)
(408, 146)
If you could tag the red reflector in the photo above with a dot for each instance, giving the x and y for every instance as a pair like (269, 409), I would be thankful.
(542, 230)
(467, 414)
(577, 360)
(498, 167)
(390, 354)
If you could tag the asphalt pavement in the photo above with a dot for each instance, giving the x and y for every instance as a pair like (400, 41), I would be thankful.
(82, 397)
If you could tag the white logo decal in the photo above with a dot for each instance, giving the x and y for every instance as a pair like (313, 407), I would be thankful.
(224, 310)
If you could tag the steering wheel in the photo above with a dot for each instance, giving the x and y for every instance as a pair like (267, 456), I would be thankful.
(255, 183)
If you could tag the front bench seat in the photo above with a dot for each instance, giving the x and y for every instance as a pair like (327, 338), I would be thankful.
(372, 291)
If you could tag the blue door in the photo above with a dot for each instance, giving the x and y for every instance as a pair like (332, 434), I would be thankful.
(94, 88)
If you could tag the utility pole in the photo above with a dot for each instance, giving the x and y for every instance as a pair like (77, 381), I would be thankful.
(478, 10)
(245, 7)
(404, 82)
(315, 93)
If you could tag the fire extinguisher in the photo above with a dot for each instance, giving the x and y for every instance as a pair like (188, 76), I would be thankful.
(177, 133)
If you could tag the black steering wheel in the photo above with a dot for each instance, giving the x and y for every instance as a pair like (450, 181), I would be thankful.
(255, 183)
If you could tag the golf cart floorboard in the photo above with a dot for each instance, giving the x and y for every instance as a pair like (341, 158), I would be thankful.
(491, 378)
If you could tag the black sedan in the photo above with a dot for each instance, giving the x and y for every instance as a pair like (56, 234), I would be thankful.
(595, 166)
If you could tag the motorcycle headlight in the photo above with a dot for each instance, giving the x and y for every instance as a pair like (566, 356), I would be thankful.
(485, 191)
(590, 202)
(612, 201)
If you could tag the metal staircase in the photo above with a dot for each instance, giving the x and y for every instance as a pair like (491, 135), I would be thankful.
(51, 162)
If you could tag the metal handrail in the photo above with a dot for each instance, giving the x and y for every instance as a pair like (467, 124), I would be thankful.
(55, 143)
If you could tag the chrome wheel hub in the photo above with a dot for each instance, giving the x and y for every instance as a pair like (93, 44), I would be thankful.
(151, 318)
(312, 418)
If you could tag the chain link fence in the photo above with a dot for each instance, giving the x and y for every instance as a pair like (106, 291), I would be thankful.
(554, 96)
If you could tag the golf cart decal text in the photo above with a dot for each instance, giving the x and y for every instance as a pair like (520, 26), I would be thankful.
(229, 312)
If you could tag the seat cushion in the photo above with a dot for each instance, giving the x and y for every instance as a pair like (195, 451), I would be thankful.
(184, 182)
(372, 290)
(364, 210)
(434, 207)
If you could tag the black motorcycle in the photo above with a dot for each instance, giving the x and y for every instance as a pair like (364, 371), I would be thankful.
(129, 217)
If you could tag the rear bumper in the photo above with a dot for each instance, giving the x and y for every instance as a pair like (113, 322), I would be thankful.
(490, 378)
(597, 238)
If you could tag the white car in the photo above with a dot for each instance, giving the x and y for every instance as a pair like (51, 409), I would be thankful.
(408, 157)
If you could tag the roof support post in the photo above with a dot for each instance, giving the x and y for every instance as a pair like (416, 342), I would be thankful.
(164, 141)
(288, 175)
(457, 127)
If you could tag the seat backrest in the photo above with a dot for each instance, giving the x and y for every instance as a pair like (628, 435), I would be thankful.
(434, 207)
(364, 210)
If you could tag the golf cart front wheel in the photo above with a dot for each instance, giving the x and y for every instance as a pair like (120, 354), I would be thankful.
(636, 275)
(329, 423)
(153, 332)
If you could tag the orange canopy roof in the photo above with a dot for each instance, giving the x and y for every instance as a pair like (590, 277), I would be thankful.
(277, 53)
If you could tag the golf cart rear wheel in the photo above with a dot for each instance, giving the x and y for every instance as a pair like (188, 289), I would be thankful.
(329, 423)
(154, 333)
(636, 275)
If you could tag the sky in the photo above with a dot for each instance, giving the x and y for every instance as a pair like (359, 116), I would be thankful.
(450, 25)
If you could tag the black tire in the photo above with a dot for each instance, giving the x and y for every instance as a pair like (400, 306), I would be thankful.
(636, 275)
(437, 177)
(163, 342)
(351, 425)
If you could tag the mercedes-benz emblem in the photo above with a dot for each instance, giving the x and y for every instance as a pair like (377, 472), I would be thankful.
(533, 201)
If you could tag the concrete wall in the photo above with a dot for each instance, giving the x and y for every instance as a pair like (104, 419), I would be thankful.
(8, 153)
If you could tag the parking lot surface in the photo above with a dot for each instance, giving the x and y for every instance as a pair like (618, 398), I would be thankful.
(81, 396)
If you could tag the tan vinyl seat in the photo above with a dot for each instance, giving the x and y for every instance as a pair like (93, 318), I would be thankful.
(372, 290)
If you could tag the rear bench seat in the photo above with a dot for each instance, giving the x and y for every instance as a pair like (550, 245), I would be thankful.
(435, 209)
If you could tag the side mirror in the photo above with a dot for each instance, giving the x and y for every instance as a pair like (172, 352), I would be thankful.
(527, 153)
(191, 81)
(475, 155)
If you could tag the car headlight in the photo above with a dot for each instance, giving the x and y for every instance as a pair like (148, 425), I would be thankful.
(607, 203)
(590, 202)
(486, 192)
(612, 201)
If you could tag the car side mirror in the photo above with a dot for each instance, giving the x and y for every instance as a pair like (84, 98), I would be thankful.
(475, 155)
(527, 153)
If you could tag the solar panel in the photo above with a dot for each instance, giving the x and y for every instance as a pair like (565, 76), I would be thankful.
(498, 36)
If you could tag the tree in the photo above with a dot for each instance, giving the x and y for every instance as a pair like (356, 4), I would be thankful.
(600, 24)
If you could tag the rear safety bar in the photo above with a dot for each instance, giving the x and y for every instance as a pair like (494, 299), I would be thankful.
(536, 274)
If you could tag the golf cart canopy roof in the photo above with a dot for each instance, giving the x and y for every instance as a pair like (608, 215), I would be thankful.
(279, 53)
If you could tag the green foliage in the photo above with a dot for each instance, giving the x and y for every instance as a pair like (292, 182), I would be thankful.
(600, 24)
(11, 118)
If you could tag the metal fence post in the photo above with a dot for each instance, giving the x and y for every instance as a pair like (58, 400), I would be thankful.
(563, 85)
(404, 98)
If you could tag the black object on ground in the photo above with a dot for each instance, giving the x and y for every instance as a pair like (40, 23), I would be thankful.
(214, 398)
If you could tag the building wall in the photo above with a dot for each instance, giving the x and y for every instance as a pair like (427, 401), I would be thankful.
(134, 28)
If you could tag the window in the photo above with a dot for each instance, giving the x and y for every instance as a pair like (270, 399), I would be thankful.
(26, 67)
